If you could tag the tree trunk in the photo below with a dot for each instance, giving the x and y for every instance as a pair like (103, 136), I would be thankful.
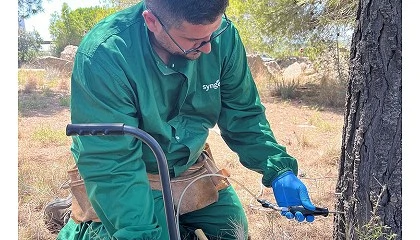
(370, 175)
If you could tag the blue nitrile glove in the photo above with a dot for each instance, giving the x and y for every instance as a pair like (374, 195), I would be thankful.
(290, 191)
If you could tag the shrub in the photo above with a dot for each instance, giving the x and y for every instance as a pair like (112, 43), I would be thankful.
(286, 89)
(29, 46)
(69, 26)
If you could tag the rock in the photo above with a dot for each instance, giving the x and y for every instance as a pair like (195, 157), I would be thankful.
(293, 72)
(69, 52)
(62, 65)
(257, 66)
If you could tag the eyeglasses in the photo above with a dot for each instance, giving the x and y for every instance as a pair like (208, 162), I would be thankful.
(212, 37)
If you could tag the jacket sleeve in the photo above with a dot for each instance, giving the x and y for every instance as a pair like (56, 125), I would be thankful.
(243, 122)
(111, 166)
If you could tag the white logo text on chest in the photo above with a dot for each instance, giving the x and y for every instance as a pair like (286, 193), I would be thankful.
(214, 85)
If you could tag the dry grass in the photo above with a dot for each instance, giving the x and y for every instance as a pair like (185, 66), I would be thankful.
(311, 134)
(43, 149)
(317, 150)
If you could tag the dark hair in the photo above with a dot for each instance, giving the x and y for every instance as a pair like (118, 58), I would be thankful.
(173, 12)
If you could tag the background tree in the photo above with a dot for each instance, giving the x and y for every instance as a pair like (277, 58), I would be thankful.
(70, 26)
(370, 174)
(120, 3)
(29, 43)
(29, 46)
(284, 27)
(27, 8)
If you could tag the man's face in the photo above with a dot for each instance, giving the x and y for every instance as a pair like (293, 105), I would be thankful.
(188, 36)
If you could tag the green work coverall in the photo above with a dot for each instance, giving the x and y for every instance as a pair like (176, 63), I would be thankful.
(118, 78)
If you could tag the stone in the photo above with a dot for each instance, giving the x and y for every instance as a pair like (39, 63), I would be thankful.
(69, 52)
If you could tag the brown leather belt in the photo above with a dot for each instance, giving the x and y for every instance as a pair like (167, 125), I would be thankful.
(201, 193)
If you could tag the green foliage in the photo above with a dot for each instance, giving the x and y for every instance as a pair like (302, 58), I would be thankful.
(120, 4)
(70, 26)
(238, 11)
(29, 46)
(375, 230)
(283, 27)
(27, 8)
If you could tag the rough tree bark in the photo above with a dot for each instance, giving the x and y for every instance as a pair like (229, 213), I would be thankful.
(370, 175)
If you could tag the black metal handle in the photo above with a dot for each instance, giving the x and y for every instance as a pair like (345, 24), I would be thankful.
(317, 212)
(98, 129)
(95, 129)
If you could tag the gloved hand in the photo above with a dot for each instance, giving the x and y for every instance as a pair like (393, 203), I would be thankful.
(290, 191)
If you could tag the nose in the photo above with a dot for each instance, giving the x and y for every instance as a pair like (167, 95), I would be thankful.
(206, 48)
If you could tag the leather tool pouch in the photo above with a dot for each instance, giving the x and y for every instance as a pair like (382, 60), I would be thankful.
(203, 191)
(81, 209)
(200, 194)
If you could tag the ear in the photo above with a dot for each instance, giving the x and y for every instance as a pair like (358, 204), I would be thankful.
(151, 21)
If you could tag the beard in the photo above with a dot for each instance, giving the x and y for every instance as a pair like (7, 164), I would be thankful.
(192, 55)
(167, 45)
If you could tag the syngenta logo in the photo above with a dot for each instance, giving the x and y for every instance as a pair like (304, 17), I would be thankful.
(214, 85)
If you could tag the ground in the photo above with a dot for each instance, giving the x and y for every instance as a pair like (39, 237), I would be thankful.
(310, 133)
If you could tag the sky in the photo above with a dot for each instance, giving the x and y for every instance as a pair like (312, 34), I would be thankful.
(41, 21)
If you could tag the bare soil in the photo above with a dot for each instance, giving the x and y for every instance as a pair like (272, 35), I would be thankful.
(310, 134)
